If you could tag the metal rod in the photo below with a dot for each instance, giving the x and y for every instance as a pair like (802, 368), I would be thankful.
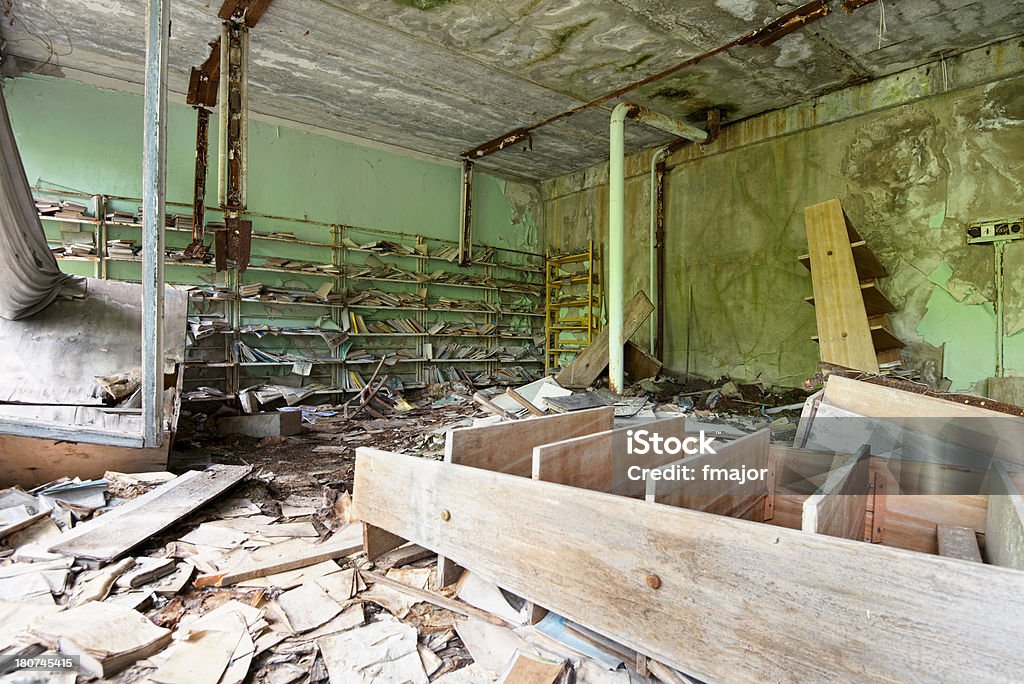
(154, 177)
(466, 214)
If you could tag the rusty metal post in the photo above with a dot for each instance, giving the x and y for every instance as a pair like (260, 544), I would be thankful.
(466, 214)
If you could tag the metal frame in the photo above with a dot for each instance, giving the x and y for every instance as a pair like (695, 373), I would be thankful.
(154, 177)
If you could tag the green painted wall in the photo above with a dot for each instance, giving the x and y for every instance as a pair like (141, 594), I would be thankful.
(86, 138)
(910, 177)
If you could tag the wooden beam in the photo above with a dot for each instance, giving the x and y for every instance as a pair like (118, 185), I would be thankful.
(1004, 525)
(591, 362)
(838, 509)
(601, 461)
(723, 497)
(716, 598)
(844, 335)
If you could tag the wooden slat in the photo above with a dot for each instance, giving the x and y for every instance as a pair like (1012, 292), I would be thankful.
(1004, 525)
(591, 362)
(601, 461)
(110, 536)
(715, 598)
(839, 507)
(722, 498)
(508, 447)
(845, 338)
(958, 542)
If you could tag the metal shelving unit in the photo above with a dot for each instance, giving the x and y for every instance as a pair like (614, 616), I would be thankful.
(572, 305)
(509, 285)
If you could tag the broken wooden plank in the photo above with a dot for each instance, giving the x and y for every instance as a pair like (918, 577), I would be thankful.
(958, 542)
(1004, 524)
(591, 362)
(110, 536)
(691, 590)
(729, 497)
(292, 554)
(839, 507)
(602, 461)
(638, 363)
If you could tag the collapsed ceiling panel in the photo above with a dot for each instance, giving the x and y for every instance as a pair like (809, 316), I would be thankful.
(442, 76)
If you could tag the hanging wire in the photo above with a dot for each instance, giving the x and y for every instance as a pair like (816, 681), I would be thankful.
(35, 33)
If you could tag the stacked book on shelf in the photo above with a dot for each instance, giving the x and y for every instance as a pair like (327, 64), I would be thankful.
(377, 298)
(300, 265)
(449, 304)
(385, 247)
(205, 325)
(77, 243)
(122, 248)
(118, 216)
(244, 353)
(266, 293)
(375, 269)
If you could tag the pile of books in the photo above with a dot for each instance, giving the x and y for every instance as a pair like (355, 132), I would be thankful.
(77, 243)
(377, 298)
(118, 216)
(206, 325)
(122, 248)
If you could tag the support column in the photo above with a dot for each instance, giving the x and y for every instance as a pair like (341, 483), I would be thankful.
(154, 175)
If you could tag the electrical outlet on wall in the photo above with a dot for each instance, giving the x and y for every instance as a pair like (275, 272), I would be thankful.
(994, 231)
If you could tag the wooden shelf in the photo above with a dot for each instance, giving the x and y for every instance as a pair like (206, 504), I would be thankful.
(868, 265)
(875, 302)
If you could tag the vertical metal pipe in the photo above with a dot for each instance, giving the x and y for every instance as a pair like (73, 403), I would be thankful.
(999, 245)
(616, 241)
(154, 167)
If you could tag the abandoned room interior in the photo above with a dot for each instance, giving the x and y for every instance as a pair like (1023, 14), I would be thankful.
(521, 342)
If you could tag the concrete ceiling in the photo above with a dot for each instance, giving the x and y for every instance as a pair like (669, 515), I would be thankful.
(441, 76)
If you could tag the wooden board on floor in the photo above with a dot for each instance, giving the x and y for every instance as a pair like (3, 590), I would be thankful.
(721, 497)
(591, 362)
(639, 364)
(839, 507)
(110, 536)
(734, 600)
(843, 332)
(1004, 526)
(601, 461)
(29, 461)
(508, 447)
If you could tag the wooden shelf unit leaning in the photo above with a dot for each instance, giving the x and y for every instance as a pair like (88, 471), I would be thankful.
(572, 305)
(292, 304)
(852, 313)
